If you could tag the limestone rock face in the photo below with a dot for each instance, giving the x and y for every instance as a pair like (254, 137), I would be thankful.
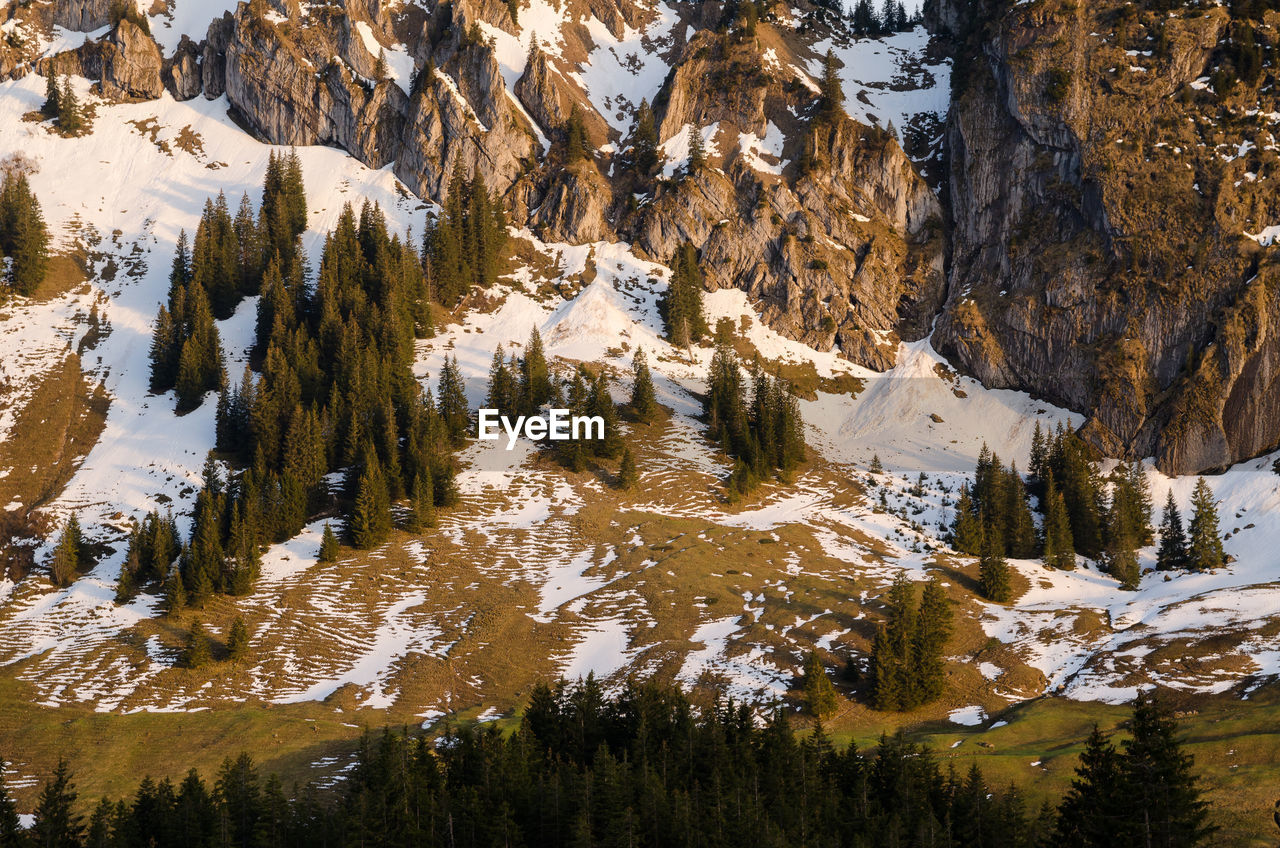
(213, 65)
(131, 65)
(82, 15)
(182, 74)
(1099, 256)
(575, 207)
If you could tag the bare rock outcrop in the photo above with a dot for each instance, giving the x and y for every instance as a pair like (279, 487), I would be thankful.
(1100, 209)
(131, 64)
(182, 74)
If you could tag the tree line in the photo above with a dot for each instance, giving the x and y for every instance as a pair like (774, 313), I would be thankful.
(645, 767)
(1082, 513)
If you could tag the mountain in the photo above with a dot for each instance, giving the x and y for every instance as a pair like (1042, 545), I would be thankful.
(941, 234)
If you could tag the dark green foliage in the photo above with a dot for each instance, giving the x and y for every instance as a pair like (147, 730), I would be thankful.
(831, 96)
(997, 506)
(24, 238)
(907, 655)
(52, 94)
(575, 136)
(590, 396)
(1059, 549)
(628, 476)
(1204, 548)
(371, 517)
(534, 388)
(642, 768)
(697, 150)
(58, 823)
(334, 390)
(1173, 538)
(68, 555)
(993, 571)
(153, 546)
(463, 247)
(876, 467)
(238, 640)
(501, 394)
(328, 545)
(644, 403)
(1142, 794)
(764, 433)
(819, 694)
(11, 835)
(681, 304)
(1057, 84)
(186, 350)
(72, 119)
(197, 653)
(644, 141)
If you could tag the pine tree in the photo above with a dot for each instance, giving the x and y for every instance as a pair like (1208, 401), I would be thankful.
(197, 653)
(1173, 538)
(1019, 526)
(422, 507)
(380, 67)
(501, 394)
(1204, 548)
(575, 133)
(70, 116)
(66, 561)
(175, 593)
(645, 141)
(1093, 810)
(1165, 805)
(371, 518)
(24, 237)
(453, 402)
(58, 824)
(697, 150)
(876, 467)
(966, 529)
(628, 476)
(681, 305)
(933, 628)
(993, 572)
(819, 694)
(11, 835)
(238, 640)
(328, 545)
(831, 96)
(1059, 550)
(644, 402)
(535, 386)
(51, 96)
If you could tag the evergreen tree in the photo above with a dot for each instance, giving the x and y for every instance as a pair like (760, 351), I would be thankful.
(453, 402)
(175, 593)
(328, 545)
(1173, 538)
(1165, 805)
(1059, 550)
(11, 835)
(681, 304)
(967, 535)
(697, 150)
(371, 518)
(644, 402)
(51, 96)
(1019, 527)
(24, 237)
(933, 628)
(644, 141)
(197, 653)
(380, 67)
(66, 562)
(501, 394)
(819, 694)
(1204, 547)
(58, 824)
(1121, 552)
(71, 119)
(875, 467)
(575, 132)
(628, 476)
(535, 387)
(238, 640)
(1095, 807)
(422, 510)
(993, 572)
(831, 96)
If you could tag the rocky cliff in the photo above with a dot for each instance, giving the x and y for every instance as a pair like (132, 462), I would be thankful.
(1111, 169)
